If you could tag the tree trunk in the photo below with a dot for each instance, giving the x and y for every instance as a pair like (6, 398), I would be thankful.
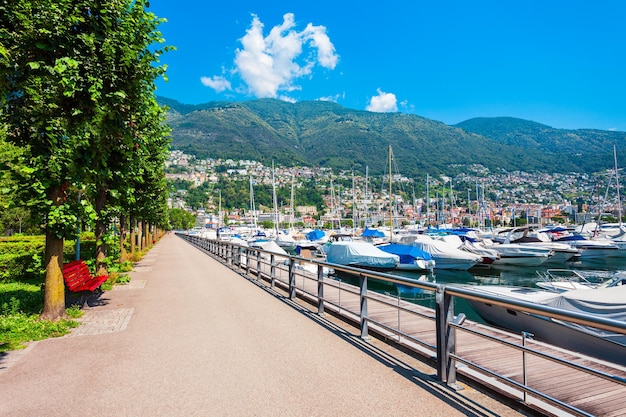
(145, 235)
(123, 233)
(140, 235)
(101, 246)
(132, 236)
(54, 289)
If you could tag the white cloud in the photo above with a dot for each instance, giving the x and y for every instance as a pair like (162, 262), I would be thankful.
(217, 83)
(270, 65)
(334, 98)
(383, 102)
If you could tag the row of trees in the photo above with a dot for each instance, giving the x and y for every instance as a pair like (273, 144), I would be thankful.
(78, 104)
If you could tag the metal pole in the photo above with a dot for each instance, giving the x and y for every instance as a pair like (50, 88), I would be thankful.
(524, 373)
(273, 270)
(320, 290)
(292, 282)
(364, 313)
(451, 377)
(443, 314)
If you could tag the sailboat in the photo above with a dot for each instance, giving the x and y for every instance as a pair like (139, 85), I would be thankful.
(620, 238)
(601, 247)
(285, 239)
(411, 257)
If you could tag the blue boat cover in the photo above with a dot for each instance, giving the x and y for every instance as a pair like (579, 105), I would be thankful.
(372, 233)
(407, 253)
(315, 234)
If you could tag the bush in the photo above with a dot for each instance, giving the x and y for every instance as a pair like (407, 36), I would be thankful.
(21, 257)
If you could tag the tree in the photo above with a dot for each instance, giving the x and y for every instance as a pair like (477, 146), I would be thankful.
(76, 79)
(130, 124)
(181, 219)
(47, 103)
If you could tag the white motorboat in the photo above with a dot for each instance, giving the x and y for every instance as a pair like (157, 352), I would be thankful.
(591, 248)
(360, 254)
(526, 236)
(269, 246)
(446, 256)
(286, 241)
(412, 258)
(608, 303)
(561, 280)
(520, 255)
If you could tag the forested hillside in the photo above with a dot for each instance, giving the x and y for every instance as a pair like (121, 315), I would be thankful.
(326, 134)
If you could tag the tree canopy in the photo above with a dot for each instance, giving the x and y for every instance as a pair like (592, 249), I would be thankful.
(77, 90)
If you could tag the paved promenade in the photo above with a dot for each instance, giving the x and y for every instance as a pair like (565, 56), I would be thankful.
(189, 337)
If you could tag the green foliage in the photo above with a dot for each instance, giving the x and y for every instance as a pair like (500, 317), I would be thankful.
(584, 150)
(18, 329)
(181, 219)
(329, 135)
(21, 257)
(20, 305)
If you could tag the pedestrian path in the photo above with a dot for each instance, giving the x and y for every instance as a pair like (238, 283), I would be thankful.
(190, 337)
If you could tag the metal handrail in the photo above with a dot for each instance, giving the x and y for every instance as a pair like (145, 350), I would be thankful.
(444, 318)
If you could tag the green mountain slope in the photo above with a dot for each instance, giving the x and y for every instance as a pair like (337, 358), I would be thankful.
(319, 133)
(591, 149)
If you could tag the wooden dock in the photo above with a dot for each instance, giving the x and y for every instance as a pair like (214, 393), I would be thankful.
(481, 356)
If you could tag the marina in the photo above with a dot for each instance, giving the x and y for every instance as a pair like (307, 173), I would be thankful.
(516, 366)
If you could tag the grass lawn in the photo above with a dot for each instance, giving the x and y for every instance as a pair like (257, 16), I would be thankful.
(20, 306)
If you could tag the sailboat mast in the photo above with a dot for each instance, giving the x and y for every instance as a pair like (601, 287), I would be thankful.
(293, 212)
(390, 198)
(274, 199)
(353, 203)
(427, 202)
(252, 207)
(619, 202)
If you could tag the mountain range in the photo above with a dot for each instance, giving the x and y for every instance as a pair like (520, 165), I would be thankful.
(322, 133)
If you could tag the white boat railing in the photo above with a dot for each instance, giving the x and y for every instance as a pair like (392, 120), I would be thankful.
(294, 273)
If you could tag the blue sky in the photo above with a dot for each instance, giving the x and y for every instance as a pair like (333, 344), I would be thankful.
(561, 63)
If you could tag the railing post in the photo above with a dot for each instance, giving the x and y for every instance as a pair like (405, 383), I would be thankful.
(247, 251)
(320, 290)
(451, 349)
(525, 335)
(273, 270)
(258, 264)
(229, 254)
(443, 315)
(363, 313)
(292, 281)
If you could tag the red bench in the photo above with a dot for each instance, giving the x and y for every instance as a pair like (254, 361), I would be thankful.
(78, 278)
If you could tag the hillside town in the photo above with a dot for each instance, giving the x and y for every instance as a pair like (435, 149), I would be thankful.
(476, 197)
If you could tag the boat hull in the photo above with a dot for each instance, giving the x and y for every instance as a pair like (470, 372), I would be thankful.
(417, 265)
(552, 332)
(532, 260)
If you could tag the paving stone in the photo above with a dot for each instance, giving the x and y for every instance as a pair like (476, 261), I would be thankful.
(104, 321)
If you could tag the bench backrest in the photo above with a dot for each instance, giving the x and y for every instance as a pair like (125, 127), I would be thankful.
(76, 274)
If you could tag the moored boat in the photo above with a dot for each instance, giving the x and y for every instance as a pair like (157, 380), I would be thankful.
(411, 257)
(606, 303)
(360, 255)
(445, 255)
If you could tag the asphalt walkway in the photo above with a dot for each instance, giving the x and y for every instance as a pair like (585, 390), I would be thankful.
(189, 337)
